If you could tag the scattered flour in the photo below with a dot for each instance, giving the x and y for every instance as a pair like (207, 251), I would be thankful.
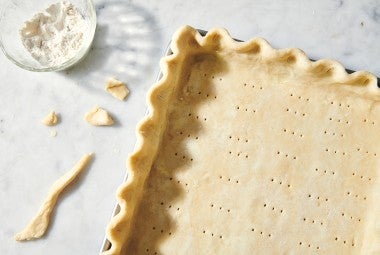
(54, 35)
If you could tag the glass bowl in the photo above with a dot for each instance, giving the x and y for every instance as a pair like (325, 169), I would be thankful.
(12, 18)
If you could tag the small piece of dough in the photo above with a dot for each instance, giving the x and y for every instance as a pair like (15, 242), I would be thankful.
(37, 227)
(117, 89)
(98, 117)
(51, 119)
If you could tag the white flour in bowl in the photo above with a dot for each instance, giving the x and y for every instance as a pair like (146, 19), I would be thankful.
(54, 35)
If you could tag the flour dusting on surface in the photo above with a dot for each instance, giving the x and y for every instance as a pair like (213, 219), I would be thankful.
(54, 35)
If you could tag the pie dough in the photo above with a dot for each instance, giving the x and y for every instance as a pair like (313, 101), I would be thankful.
(39, 224)
(251, 150)
(99, 117)
(117, 89)
(51, 119)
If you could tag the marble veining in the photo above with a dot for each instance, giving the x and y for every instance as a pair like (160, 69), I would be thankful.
(131, 36)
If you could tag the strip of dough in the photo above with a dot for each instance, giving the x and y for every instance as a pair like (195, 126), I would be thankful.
(38, 225)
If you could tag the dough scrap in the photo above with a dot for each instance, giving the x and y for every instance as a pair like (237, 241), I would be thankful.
(117, 89)
(39, 224)
(99, 117)
(51, 119)
(252, 150)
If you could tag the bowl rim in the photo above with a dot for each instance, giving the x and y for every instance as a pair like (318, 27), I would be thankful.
(85, 48)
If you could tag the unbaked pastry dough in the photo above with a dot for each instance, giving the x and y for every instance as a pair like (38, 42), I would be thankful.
(99, 117)
(51, 119)
(252, 150)
(39, 224)
(117, 89)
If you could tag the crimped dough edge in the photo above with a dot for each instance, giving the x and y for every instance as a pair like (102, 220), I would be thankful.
(149, 131)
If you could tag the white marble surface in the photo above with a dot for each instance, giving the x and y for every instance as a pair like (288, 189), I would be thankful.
(130, 39)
